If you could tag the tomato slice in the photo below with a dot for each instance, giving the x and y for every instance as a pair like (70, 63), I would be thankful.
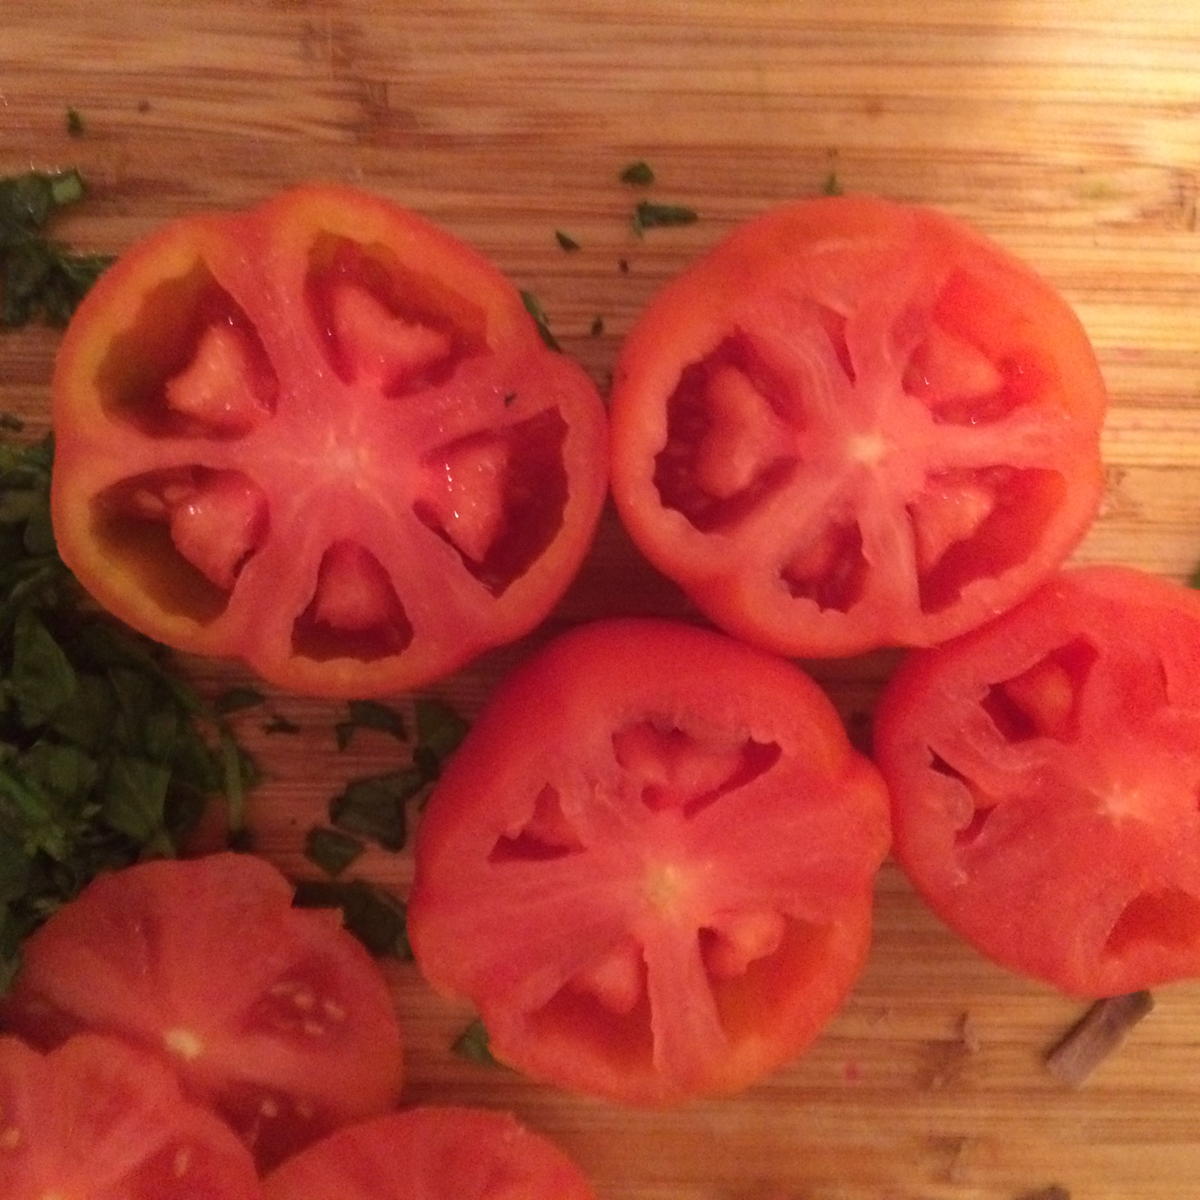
(97, 1119)
(649, 865)
(856, 424)
(435, 1153)
(1045, 780)
(274, 1015)
(325, 437)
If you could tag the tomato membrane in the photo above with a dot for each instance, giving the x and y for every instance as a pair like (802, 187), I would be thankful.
(652, 884)
(1045, 780)
(325, 437)
(856, 424)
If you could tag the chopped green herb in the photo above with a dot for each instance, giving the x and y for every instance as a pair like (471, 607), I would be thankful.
(236, 700)
(38, 278)
(331, 849)
(280, 724)
(439, 731)
(649, 216)
(241, 773)
(373, 806)
(623, 265)
(597, 326)
(566, 241)
(373, 915)
(533, 307)
(369, 714)
(75, 126)
(638, 174)
(1194, 579)
(832, 185)
(474, 1045)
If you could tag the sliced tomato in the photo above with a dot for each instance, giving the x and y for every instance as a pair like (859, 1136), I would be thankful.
(1045, 780)
(274, 1015)
(97, 1119)
(435, 1153)
(856, 424)
(649, 865)
(325, 437)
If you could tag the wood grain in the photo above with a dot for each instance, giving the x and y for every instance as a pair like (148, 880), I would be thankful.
(1068, 131)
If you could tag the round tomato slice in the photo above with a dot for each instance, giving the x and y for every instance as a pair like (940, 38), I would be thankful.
(856, 424)
(435, 1153)
(275, 1016)
(325, 437)
(1045, 778)
(649, 865)
(97, 1119)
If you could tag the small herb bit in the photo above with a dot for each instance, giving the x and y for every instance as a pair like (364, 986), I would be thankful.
(566, 241)
(241, 773)
(474, 1045)
(439, 731)
(1098, 1034)
(638, 174)
(37, 276)
(832, 185)
(75, 126)
(533, 307)
(623, 265)
(1053, 1192)
(332, 850)
(373, 806)
(1194, 579)
(369, 714)
(374, 916)
(650, 216)
(237, 699)
(597, 326)
(280, 724)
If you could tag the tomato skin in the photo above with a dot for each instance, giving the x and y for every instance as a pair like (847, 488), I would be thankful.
(649, 864)
(243, 395)
(856, 424)
(275, 1016)
(1044, 773)
(434, 1152)
(97, 1119)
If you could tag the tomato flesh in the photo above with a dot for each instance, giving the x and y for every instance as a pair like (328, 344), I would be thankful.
(649, 865)
(1044, 773)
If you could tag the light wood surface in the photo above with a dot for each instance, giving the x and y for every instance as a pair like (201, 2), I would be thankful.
(1067, 129)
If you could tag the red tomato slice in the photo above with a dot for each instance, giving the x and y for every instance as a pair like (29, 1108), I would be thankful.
(274, 1015)
(97, 1119)
(1045, 777)
(856, 424)
(434, 1153)
(325, 437)
(649, 865)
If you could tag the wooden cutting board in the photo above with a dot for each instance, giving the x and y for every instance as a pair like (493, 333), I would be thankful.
(1067, 129)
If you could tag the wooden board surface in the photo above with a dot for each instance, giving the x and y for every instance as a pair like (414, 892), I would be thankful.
(1067, 129)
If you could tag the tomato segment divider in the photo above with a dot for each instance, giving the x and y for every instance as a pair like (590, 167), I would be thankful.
(650, 863)
(325, 437)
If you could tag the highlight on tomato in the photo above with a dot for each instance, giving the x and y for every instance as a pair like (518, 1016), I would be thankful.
(436, 1153)
(649, 865)
(97, 1117)
(855, 424)
(323, 436)
(1045, 781)
(274, 1016)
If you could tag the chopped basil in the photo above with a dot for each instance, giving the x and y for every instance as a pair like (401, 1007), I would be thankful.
(638, 174)
(648, 215)
(331, 849)
(1194, 578)
(623, 265)
(237, 699)
(533, 307)
(566, 241)
(369, 714)
(439, 731)
(474, 1045)
(597, 326)
(280, 724)
(75, 126)
(373, 807)
(374, 916)
(832, 185)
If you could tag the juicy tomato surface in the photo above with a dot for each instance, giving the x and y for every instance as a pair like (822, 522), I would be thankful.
(1045, 776)
(649, 865)
(431, 1153)
(856, 424)
(275, 1016)
(97, 1119)
(325, 437)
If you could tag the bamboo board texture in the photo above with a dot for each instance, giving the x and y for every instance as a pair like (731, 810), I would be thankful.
(1069, 130)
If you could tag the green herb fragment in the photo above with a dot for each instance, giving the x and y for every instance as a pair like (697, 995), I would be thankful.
(638, 174)
(623, 265)
(832, 185)
(38, 278)
(374, 916)
(280, 724)
(373, 807)
(650, 216)
(237, 699)
(533, 307)
(75, 126)
(597, 326)
(566, 241)
(369, 714)
(240, 773)
(474, 1045)
(439, 731)
(1194, 579)
(332, 850)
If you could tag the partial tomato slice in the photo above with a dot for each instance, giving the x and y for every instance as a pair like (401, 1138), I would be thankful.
(434, 1153)
(274, 1015)
(856, 424)
(325, 437)
(97, 1119)
(649, 865)
(1045, 780)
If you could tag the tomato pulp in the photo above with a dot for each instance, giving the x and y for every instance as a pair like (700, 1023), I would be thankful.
(323, 436)
(650, 863)
(1045, 777)
(855, 424)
